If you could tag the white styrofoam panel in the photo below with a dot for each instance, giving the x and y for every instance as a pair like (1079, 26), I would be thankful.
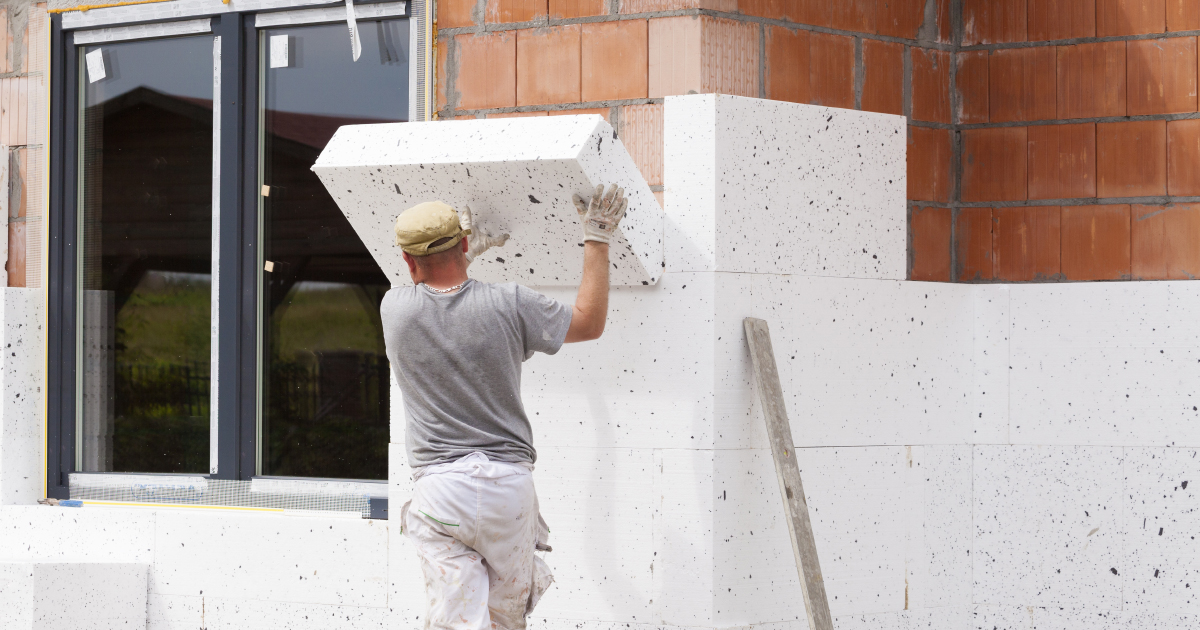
(21, 464)
(45, 534)
(1162, 521)
(187, 612)
(72, 596)
(795, 189)
(271, 557)
(754, 568)
(956, 618)
(1048, 526)
(857, 503)
(516, 174)
(16, 595)
(860, 541)
(647, 383)
(989, 415)
(874, 621)
(871, 362)
(683, 537)
(406, 586)
(737, 414)
(1110, 363)
(176, 612)
(600, 510)
(1160, 621)
(939, 567)
(1012, 617)
(942, 618)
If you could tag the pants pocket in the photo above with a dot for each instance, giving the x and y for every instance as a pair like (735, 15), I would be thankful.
(542, 579)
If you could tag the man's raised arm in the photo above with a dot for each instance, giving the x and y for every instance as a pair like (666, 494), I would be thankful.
(600, 216)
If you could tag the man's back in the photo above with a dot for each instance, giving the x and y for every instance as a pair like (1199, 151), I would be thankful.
(457, 357)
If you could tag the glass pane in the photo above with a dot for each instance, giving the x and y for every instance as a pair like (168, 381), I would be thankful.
(325, 380)
(145, 262)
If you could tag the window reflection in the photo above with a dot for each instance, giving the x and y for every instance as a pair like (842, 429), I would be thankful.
(324, 373)
(145, 264)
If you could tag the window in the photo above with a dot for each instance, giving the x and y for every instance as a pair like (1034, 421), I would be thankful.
(145, 256)
(211, 310)
(324, 374)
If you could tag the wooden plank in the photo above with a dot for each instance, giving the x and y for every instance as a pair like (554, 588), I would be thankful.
(779, 431)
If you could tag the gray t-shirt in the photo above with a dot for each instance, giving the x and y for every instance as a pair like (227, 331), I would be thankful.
(457, 358)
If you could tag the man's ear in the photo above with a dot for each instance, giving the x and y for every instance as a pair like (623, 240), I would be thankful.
(464, 244)
(412, 266)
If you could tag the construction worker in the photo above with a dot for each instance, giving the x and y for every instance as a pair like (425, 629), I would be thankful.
(456, 346)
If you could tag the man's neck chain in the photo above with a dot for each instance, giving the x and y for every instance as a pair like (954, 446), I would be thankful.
(443, 291)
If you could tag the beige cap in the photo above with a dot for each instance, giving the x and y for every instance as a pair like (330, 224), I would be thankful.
(424, 224)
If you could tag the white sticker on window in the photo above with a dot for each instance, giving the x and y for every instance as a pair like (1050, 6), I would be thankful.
(95, 65)
(279, 51)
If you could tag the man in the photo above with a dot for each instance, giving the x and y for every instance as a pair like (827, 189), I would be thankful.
(456, 346)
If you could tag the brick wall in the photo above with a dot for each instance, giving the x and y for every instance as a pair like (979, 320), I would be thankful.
(619, 58)
(1048, 141)
(24, 29)
(1078, 145)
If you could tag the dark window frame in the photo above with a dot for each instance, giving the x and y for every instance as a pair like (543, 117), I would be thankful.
(237, 372)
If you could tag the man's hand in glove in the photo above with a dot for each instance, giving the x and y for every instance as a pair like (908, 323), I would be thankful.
(479, 240)
(602, 213)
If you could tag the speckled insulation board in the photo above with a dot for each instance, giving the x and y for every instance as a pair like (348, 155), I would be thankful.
(517, 175)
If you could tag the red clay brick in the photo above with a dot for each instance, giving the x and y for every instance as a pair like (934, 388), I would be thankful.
(883, 77)
(971, 82)
(1162, 76)
(1095, 242)
(443, 50)
(929, 164)
(1183, 15)
(945, 25)
(729, 57)
(812, 12)
(854, 15)
(1025, 243)
(831, 80)
(994, 164)
(487, 70)
(930, 85)
(787, 70)
(930, 244)
(455, 13)
(614, 60)
(1062, 161)
(1130, 17)
(1061, 19)
(1091, 80)
(504, 11)
(674, 57)
(642, 133)
(1021, 84)
(1131, 158)
(1165, 242)
(993, 21)
(973, 244)
(899, 18)
(562, 9)
(548, 65)
(1183, 157)
(16, 254)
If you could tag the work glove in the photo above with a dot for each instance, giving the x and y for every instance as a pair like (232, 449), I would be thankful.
(479, 240)
(602, 213)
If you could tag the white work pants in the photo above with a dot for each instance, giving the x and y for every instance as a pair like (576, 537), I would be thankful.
(475, 525)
